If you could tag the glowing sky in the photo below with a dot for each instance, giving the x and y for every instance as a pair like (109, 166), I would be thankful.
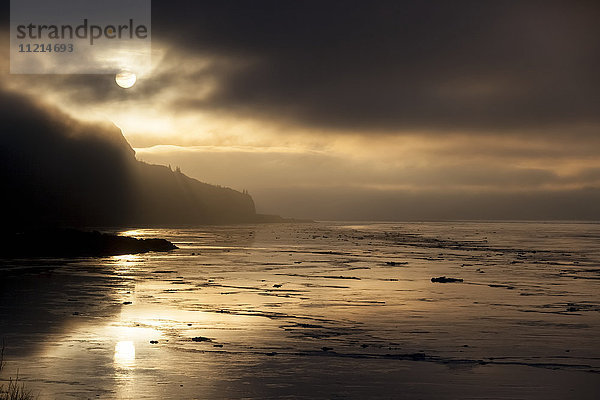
(416, 110)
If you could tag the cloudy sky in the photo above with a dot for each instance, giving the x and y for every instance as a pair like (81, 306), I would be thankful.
(366, 110)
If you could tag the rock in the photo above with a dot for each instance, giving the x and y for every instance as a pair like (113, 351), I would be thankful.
(75, 243)
(217, 345)
(127, 302)
(417, 356)
(394, 263)
(201, 339)
(443, 279)
(324, 348)
(277, 286)
(271, 354)
(154, 342)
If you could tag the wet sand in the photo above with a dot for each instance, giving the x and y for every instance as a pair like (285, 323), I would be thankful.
(327, 310)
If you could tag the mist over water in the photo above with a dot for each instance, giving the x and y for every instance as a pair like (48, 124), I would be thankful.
(316, 311)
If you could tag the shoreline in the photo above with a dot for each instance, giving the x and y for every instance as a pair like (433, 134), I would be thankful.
(68, 243)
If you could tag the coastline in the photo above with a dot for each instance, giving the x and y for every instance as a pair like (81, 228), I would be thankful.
(64, 242)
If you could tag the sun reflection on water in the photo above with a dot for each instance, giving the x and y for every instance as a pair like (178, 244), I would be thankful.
(126, 263)
(133, 232)
(127, 258)
(125, 354)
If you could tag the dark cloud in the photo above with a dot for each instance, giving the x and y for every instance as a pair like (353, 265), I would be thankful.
(398, 65)
(374, 66)
(512, 86)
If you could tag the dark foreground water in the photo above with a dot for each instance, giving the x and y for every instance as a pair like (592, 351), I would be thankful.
(327, 310)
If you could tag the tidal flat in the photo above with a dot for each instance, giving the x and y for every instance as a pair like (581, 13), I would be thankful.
(314, 310)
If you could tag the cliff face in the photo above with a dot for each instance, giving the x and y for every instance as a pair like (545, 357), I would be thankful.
(56, 170)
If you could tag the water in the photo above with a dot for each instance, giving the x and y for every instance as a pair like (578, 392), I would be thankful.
(327, 310)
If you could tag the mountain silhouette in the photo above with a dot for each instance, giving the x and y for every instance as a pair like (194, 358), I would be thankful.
(60, 171)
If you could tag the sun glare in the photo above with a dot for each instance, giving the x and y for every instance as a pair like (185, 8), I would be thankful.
(125, 79)
(125, 354)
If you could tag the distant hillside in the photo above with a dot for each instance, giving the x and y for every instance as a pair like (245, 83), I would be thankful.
(56, 170)
(164, 197)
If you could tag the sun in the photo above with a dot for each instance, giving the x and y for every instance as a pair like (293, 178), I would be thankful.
(125, 79)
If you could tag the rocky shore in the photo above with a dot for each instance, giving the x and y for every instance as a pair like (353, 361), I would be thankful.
(75, 243)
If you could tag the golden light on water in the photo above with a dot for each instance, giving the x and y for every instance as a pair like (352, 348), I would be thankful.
(125, 79)
(125, 354)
